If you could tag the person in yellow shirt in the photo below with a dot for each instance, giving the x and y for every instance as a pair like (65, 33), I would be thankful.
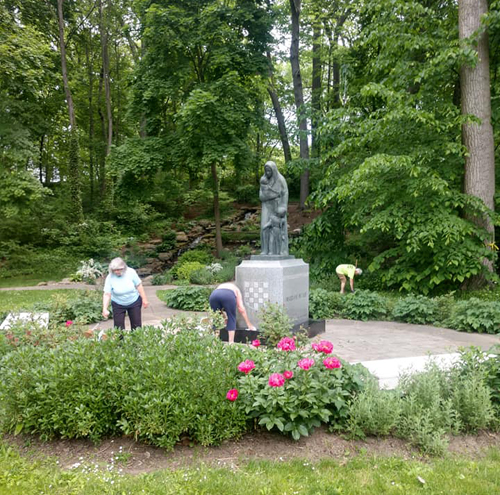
(350, 271)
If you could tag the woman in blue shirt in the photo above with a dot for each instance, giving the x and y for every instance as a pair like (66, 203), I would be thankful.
(124, 289)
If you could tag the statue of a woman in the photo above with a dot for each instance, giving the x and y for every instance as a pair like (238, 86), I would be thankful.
(274, 196)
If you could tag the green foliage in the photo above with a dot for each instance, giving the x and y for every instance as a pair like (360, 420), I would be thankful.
(89, 271)
(364, 305)
(475, 315)
(201, 276)
(185, 269)
(86, 307)
(186, 298)
(274, 323)
(177, 388)
(415, 309)
(164, 278)
(324, 304)
(394, 161)
(374, 412)
(487, 364)
(306, 400)
(168, 243)
(247, 193)
(428, 405)
(155, 386)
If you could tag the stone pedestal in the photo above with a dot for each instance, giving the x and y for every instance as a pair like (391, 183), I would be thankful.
(282, 280)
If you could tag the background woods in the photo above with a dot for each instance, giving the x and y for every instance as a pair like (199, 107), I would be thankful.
(120, 116)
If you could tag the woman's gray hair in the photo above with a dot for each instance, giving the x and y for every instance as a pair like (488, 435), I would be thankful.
(359, 271)
(117, 264)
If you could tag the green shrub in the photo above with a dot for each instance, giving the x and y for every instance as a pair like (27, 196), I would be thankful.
(202, 276)
(445, 305)
(364, 305)
(69, 391)
(169, 242)
(184, 271)
(475, 315)
(374, 412)
(175, 386)
(274, 323)
(164, 278)
(186, 298)
(86, 307)
(324, 304)
(199, 255)
(154, 386)
(415, 309)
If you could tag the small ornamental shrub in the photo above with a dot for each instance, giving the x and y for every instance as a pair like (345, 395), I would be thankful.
(201, 276)
(295, 392)
(374, 412)
(199, 255)
(184, 271)
(84, 308)
(324, 304)
(415, 309)
(164, 278)
(89, 271)
(475, 315)
(364, 305)
(186, 298)
(275, 324)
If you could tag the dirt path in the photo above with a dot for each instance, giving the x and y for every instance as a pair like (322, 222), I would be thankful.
(135, 458)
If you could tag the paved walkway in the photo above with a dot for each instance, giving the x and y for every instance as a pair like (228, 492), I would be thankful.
(386, 348)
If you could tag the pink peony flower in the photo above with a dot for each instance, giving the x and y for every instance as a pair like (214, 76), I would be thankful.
(305, 363)
(246, 366)
(256, 343)
(232, 395)
(332, 362)
(286, 344)
(323, 346)
(276, 380)
(288, 374)
(69, 323)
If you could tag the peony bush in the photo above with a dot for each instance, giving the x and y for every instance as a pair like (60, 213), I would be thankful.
(295, 391)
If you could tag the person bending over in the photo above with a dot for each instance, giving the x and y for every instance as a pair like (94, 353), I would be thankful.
(350, 271)
(124, 289)
(227, 297)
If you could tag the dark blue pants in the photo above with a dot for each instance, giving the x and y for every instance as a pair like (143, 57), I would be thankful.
(134, 313)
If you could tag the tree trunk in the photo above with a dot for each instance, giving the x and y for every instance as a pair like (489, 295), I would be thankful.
(103, 29)
(475, 94)
(90, 74)
(74, 152)
(218, 234)
(279, 114)
(40, 159)
(316, 89)
(299, 99)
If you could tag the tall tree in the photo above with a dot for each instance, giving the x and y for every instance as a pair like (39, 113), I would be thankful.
(74, 148)
(295, 6)
(477, 132)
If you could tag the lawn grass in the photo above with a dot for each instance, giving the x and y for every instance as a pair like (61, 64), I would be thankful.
(32, 279)
(359, 476)
(23, 300)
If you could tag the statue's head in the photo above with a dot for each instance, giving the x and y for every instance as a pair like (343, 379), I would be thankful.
(269, 168)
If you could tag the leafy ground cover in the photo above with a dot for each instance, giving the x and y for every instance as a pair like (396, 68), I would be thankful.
(377, 475)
